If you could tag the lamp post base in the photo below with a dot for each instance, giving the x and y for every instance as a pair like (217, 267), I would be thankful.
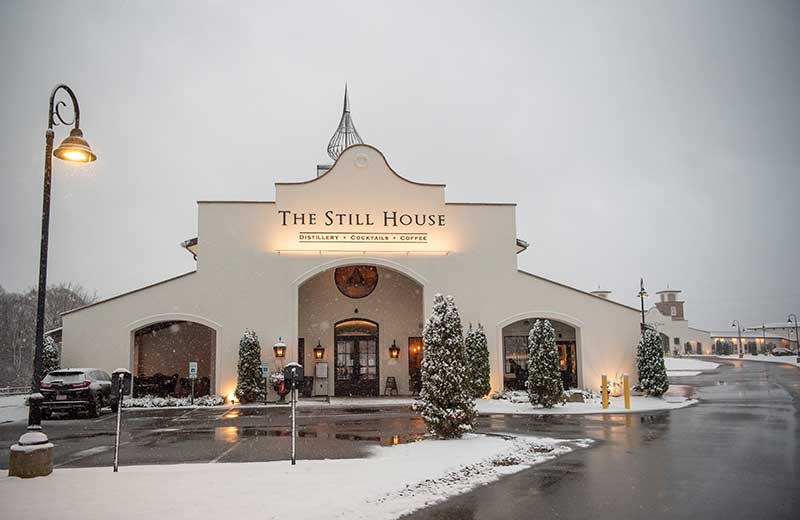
(31, 457)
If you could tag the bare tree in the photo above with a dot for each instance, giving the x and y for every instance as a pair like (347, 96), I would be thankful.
(18, 326)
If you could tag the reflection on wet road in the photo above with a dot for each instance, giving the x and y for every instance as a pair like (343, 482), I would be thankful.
(165, 436)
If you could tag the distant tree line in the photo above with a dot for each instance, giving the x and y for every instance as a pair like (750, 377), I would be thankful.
(18, 326)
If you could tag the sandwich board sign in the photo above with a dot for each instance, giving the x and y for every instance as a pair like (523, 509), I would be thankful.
(192, 369)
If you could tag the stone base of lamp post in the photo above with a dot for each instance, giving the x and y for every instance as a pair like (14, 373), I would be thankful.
(31, 457)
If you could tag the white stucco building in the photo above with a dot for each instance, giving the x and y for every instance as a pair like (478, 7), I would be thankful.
(668, 318)
(348, 262)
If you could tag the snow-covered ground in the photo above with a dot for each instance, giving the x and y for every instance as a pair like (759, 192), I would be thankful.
(786, 360)
(591, 406)
(392, 482)
(683, 366)
(13, 408)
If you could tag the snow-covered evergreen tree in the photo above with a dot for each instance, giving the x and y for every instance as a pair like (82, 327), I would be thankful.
(544, 375)
(650, 364)
(50, 356)
(249, 386)
(476, 362)
(445, 403)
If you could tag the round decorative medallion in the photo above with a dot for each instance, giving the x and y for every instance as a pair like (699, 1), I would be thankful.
(361, 160)
(356, 281)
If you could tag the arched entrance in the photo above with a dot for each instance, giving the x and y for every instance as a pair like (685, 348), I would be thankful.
(162, 352)
(355, 355)
(360, 325)
(515, 352)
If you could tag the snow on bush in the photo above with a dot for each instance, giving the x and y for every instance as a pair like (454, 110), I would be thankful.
(476, 361)
(50, 356)
(653, 379)
(150, 401)
(249, 385)
(444, 402)
(544, 375)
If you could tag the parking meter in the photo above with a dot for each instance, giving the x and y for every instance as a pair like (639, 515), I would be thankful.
(126, 381)
(121, 382)
(293, 375)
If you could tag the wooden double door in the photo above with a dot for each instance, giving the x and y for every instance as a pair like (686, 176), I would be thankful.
(357, 367)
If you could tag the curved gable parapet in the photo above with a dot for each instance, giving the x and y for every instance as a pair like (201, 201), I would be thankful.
(351, 154)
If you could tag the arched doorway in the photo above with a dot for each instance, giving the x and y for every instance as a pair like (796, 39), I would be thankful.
(356, 365)
(162, 352)
(359, 313)
(515, 353)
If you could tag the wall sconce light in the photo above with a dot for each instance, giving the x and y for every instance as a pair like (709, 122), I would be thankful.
(394, 350)
(319, 351)
(279, 348)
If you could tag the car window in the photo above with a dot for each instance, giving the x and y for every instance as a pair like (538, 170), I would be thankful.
(66, 377)
(103, 376)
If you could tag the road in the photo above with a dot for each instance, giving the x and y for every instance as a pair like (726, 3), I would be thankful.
(734, 455)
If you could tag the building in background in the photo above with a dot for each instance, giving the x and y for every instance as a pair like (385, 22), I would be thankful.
(753, 341)
(668, 319)
(780, 329)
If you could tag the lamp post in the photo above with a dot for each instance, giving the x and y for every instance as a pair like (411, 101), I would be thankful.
(739, 331)
(793, 317)
(33, 455)
(73, 148)
(642, 296)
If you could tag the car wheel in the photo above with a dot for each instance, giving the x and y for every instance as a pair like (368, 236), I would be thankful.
(114, 407)
(97, 409)
(46, 415)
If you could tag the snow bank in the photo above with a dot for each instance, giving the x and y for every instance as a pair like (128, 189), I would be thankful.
(591, 406)
(149, 401)
(393, 482)
(688, 364)
(786, 360)
(13, 408)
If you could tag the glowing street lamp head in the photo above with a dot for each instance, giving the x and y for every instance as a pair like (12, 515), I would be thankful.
(74, 148)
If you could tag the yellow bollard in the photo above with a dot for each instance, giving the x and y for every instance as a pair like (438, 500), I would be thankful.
(604, 390)
(626, 390)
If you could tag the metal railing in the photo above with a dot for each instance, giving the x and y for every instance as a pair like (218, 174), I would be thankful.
(14, 390)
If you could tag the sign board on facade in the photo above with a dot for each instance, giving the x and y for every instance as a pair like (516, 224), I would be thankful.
(192, 369)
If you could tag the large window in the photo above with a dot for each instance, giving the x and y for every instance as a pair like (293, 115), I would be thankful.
(515, 353)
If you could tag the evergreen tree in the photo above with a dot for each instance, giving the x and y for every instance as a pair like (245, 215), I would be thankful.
(249, 386)
(544, 375)
(476, 362)
(50, 356)
(650, 364)
(444, 402)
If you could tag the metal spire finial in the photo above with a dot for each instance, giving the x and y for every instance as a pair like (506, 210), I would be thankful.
(346, 133)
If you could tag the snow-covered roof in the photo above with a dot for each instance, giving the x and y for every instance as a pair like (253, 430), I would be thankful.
(745, 334)
(779, 325)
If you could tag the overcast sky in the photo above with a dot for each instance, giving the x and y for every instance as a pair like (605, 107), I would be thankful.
(656, 139)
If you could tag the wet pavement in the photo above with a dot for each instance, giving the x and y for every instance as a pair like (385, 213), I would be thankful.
(734, 455)
(234, 434)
